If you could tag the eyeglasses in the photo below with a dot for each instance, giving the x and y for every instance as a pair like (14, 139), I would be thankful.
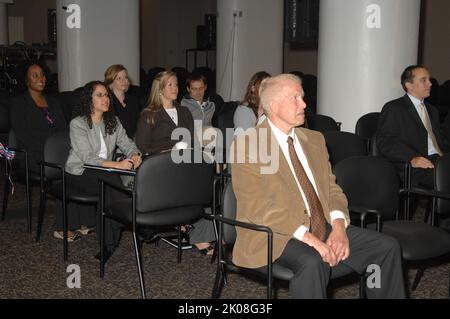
(294, 98)
(102, 95)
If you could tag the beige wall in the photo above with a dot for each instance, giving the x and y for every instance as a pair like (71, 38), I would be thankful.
(34, 13)
(436, 44)
(168, 29)
(300, 60)
(150, 33)
(436, 52)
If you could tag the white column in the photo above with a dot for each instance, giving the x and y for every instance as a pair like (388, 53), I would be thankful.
(93, 35)
(364, 45)
(4, 22)
(249, 39)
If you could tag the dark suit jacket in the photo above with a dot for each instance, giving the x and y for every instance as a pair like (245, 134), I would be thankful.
(129, 114)
(401, 134)
(154, 130)
(31, 127)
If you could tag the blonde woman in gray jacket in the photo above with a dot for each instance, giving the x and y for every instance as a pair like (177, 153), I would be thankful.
(94, 136)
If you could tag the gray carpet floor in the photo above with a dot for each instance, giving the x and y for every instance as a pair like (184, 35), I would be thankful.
(36, 270)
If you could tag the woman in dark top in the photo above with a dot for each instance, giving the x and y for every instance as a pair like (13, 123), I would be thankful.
(154, 135)
(126, 106)
(162, 115)
(35, 115)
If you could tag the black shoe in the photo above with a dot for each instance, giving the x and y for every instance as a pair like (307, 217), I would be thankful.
(106, 255)
(148, 235)
(444, 223)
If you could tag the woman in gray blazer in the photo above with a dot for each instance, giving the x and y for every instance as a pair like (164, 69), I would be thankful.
(94, 136)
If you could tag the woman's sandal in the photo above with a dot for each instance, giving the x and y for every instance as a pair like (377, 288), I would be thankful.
(86, 230)
(70, 239)
(208, 251)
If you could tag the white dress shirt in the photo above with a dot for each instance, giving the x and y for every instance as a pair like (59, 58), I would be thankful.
(172, 112)
(282, 140)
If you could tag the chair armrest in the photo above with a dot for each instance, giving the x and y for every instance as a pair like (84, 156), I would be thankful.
(254, 227)
(17, 150)
(53, 165)
(238, 223)
(115, 185)
(425, 192)
(119, 171)
(363, 212)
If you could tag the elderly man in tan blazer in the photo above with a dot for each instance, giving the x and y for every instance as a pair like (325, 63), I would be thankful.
(282, 179)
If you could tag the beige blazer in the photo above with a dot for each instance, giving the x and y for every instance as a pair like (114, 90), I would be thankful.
(275, 200)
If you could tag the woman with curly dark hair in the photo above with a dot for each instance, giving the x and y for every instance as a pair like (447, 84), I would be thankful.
(94, 136)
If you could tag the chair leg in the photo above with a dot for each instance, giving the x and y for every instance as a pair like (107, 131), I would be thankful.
(28, 192)
(215, 251)
(41, 212)
(362, 286)
(219, 281)
(406, 282)
(419, 275)
(102, 244)
(180, 245)
(428, 211)
(6, 190)
(139, 265)
(65, 230)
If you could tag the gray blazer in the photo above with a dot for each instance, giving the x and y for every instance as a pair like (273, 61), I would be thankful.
(85, 145)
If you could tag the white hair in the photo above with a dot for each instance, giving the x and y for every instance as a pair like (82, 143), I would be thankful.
(271, 87)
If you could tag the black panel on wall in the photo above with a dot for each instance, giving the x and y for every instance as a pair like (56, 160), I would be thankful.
(206, 34)
(301, 21)
(51, 26)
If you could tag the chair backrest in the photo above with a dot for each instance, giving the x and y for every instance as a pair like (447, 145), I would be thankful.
(163, 184)
(56, 150)
(366, 126)
(12, 139)
(219, 104)
(182, 75)
(225, 120)
(229, 211)
(4, 114)
(70, 102)
(442, 183)
(342, 145)
(374, 151)
(369, 182)
(322, 123)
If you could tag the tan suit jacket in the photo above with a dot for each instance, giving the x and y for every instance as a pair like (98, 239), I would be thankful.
(275, 200)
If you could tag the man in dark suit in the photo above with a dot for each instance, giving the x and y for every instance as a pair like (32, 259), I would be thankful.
(297, 197)
(409, 129)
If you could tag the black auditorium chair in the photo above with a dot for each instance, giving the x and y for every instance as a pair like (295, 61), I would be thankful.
(17, 170)
(53, 182)
(166, 193)
(5, 124)
(366, 127)
(342, 145)
(182, 75)
(372, 189)
(225, 123)
(322, 123)
(441, 206)
(227, 224)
